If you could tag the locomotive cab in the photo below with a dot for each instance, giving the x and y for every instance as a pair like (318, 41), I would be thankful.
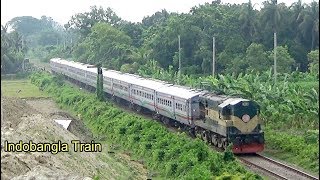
(245, 133)
(233, 120)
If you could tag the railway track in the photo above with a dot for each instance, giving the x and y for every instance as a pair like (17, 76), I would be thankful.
(274, 168)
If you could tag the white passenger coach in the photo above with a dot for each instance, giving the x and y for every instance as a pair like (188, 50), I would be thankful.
(171, 101)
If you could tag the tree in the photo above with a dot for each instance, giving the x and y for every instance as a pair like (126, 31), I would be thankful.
(284, 60)
(11, 51)
(156, 19)
(247, 19)
(313, 58)
(271, 15)
(85, 21)
(134, 30)
(309, 24)
(26, 25)
(257, 58)
(107, 45)
(48, 37)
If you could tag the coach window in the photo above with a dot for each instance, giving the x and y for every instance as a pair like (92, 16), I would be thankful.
(152, 97)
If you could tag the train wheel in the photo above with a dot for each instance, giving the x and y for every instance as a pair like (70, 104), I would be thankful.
(192, 132)
(165, 121)
(220, 143)
(138, 108)
(118, 100)
(131, 105)
(204, 136)
(214, 140)
(224, 144)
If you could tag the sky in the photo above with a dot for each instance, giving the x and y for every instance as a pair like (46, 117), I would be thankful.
(130, 10)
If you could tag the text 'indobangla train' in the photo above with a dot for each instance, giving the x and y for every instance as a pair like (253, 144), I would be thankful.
(219, 120)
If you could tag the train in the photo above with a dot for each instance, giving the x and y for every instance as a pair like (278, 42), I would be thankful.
(218, 119)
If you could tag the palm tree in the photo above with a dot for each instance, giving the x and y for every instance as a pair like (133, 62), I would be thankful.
(247, 17)
(271, 14)
(271, 17)
(297, 8)
(309, 24)
(17, 42)
(5, 39)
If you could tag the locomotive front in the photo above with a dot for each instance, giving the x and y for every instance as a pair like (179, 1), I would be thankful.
(232, 120)
(245, 133)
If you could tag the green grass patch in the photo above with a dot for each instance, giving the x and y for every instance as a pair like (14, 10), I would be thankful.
(300, 149)
(21, 88)
(309, 85)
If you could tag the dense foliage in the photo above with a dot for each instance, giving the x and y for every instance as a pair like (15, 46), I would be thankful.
(12, 51)
(292, 102)
(173, 155)
(244, 37)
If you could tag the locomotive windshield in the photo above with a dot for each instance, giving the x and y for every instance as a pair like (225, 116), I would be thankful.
(248, 108)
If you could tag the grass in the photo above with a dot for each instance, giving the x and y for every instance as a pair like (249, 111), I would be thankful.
(309, 85)
(21, 88)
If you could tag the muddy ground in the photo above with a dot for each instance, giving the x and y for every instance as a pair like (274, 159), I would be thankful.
(33, 119)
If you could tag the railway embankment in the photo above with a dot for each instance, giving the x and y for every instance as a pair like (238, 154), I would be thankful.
(165, 154)
(28, 118)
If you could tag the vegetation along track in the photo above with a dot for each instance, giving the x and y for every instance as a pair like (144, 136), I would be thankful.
(274, 168)
(269, 166)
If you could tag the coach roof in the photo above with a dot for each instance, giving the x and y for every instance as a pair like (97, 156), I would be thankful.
(179, 91)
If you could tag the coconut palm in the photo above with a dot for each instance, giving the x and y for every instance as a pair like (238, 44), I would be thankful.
(309, 24)
(247, 17)
(271, 14)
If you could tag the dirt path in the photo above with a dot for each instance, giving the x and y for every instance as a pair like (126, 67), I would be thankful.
(33, 119)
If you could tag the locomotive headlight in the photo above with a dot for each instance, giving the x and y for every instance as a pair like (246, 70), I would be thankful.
(246, 118)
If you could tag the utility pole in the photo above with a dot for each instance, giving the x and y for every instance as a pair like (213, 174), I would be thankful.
(213, 55)
(275, 57)
(179, 72)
